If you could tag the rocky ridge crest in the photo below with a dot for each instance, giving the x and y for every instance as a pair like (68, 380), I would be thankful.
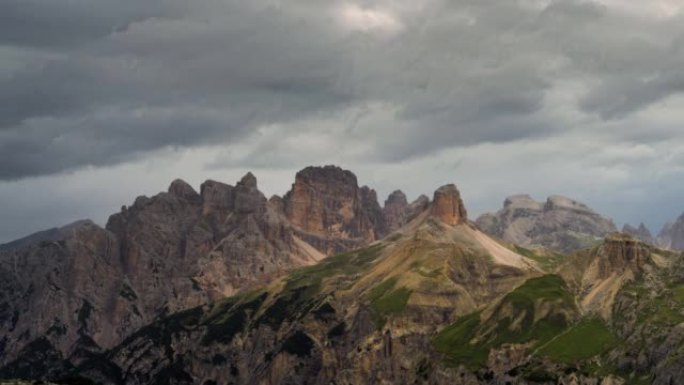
(81, 289)
(560, 223)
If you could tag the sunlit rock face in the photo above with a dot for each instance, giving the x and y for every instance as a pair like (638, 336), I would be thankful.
(82, 288)
(447, 205)
(330, 210)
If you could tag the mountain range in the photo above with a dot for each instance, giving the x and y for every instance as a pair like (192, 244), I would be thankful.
(324, 285)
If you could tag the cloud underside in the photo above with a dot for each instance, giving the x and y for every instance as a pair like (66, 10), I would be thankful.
(98, 83)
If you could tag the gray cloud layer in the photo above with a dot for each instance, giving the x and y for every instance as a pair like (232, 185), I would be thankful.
(100, 83)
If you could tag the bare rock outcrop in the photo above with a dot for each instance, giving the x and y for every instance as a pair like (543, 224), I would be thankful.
(620, 252)
(64, 298)
(93, 287)
(447, 205)
(419, 205)
(599, 273)
(560, 223)
(396, 210)
(51, 235)
(84, 289)
(331, 212)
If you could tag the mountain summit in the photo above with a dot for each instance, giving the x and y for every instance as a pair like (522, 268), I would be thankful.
(356, 317)
(83, 288)
(561, 224)
(447, 205)
(326, 286)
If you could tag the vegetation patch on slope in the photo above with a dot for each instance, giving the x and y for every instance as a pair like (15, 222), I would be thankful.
(385, 300)
(223, 326)
(588, 338)
(456, 342)
(547, 259)
(302, 291)
(535, 312)
(345, 264)
(678, 294)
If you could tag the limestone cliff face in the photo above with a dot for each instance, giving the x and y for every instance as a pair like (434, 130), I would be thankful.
(560, 223)
(447, 206)
(374, 212)
(599, 273)
(189, 247)
(93, 287)
(396, 210)
(81, 289)
(416, 207)
(58, 297)
(621, 252)
(329, 325)
(369, 316)
(438, 302)
(330, 211)
(50, 235)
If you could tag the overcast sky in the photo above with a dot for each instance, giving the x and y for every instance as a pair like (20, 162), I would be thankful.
(102, 101)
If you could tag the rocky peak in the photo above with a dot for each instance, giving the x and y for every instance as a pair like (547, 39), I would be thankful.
(560, 223)
(330, 174)
(641, 233)
(181, 189)
(418, 206)
(447, 205)
(327, 206)
(248, 181)
(620, 252)
(50, 235)
(522, 201)
(558, 202)
(372, 210)
(597, 274)
(396, 198)
(217, 197)
(248, 198)
(369, 195)
(396, 210)
(421, 203)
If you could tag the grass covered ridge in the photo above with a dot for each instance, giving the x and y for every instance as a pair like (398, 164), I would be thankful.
(535, 312)
(385, 300)
(303, 289)
(588, 338)
(547, 259)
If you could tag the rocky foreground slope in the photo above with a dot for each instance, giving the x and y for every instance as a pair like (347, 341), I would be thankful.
(74, 292)
(560, 224)
(436, 302)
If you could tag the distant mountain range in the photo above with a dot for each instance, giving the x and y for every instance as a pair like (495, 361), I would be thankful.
(324, 285)
(559, 224)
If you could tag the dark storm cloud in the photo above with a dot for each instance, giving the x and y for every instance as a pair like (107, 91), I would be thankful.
(102, 82)
(47, 145)
(53, 24)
